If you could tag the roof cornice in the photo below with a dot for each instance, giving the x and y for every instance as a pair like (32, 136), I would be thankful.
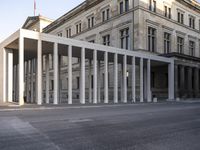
(71, 14)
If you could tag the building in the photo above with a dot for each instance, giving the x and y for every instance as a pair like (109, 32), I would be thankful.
(152, 30)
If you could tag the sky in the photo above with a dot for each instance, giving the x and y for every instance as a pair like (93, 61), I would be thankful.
(13, 13)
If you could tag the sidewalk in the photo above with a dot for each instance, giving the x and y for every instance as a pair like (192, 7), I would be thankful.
(15, 106)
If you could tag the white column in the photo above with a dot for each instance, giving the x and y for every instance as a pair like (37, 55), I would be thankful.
(125, 78)
(122, 84)
(115, 78)
(141, 81)
(36, 81)
(171, 81)
(32, 81)
(14, 83)
(47, 78)
(82, 77)
(145, 82)
(10, 75)
(89, 81)
(17, 83)
(69, 74)
(56, 82)
(106, 77)
(5, 75)
(133, 80)
(59, 78)
(149, 97)
(99, 82)
(27, 81)
(39, 73)
(21, 70)
(95, 76)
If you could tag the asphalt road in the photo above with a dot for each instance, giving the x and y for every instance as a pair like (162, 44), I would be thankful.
(127, 127)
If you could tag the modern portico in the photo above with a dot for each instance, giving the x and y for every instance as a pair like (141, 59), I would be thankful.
(22, 56)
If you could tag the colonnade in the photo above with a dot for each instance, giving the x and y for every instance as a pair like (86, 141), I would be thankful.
(187, 81)
(93, 94)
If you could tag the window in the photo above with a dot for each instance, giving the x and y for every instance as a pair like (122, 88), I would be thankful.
(152, 5)
(106, 40)
(199, 25)
(124, 38)
(60, 34)
(167, 42)
(77, 31)
(108, 14)
(92, 41)
(192, 48)
(126, 5)
(78, 28)
(151, 39)
(121, 7)
(180, 17)
(180, 45)
(167, 12)
(105, 15)
(90, 22)
(68, 33)
(192, 22)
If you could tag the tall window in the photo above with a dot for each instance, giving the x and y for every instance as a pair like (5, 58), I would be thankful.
(106, 40)
(167, 12)
(126, 5)
(60, 34)
(68, 33)
(105, 15)
(180, 17)
(152, 5)
(151, 39)
(167, 42)
(121, 7)
(180, 45)
(199, 25)
(124, 38)
(192, 22)
(78, 28)
(90, 22)
(192, 48)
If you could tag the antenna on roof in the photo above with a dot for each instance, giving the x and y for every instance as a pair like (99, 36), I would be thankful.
(34, 7)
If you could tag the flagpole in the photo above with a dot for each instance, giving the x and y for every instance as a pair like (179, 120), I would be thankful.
(34, 7)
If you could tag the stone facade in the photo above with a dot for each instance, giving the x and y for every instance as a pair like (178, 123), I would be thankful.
(169, 28)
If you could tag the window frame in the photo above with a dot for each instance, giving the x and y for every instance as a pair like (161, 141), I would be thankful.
(151, 47)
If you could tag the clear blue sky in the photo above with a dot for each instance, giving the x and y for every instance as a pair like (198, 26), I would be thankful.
(13, 13)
